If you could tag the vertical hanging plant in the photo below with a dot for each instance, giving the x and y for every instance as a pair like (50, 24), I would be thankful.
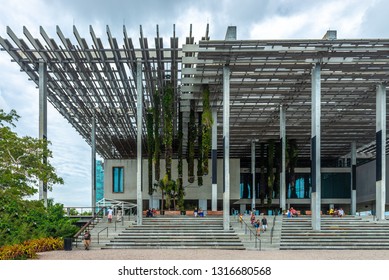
(157, 136)
(180, 194)
(270, 171)
(150, 147)
(191, 141)
(278, 157)
(292, 162)
(206, 128)
(167, 104)
(262, 182)
(200, 153)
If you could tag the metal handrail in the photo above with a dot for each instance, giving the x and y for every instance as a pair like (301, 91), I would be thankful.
(254, 234)
(95, 216)
(121, 221)
(98, 234)
(272, 229)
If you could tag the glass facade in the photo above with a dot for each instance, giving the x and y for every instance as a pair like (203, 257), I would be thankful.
(333, 185)
(118, 179)
(99, 180)
(246, 182)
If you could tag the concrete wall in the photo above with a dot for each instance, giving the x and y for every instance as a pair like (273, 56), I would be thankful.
(192, 191)
(366, 179)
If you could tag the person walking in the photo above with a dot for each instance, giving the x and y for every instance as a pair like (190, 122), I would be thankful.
(110, 214)
(264, 223)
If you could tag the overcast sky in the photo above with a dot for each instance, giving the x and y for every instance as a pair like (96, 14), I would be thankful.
(255, 19)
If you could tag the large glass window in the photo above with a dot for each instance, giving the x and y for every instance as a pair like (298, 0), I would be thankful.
(118, 179)
(333, 185)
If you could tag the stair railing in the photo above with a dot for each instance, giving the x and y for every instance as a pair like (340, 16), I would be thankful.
(88, 225)
(254, 234)
(98, 234)
(272, 229)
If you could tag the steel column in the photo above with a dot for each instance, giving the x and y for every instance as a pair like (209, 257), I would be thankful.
(139, 109)
(253, 174)
(43, 121)
(353, 178)
(380, 151)
(315, 148)
(226, 147)
(93, 163)
(283, 159)
(214, 159)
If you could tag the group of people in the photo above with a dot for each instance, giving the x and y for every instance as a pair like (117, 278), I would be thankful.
(336, 212)
(198, 213)
(291, 212)
(257, 223)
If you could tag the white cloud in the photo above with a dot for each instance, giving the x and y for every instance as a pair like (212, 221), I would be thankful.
(314, 21)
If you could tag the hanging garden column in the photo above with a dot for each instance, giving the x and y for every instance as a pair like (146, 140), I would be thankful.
(139, 108)
(226, 147)
(43, 121)
(214, 159)
(380, 151)
(315, 148)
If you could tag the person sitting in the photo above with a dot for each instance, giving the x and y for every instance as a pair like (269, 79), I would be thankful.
(195, 212)
(293, 212)
(331, 211)
(149, 213)
(340, 212)
(288, 214)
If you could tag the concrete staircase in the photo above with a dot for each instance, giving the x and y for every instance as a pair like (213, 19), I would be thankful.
(336, 233)
(176, 232)
(269, 240)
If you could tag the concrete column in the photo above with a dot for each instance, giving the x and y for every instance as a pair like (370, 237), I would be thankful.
(226, 147)
(43, 121)
(242, 208)
(315, 148)
(203, 204)
(214, 160)
(380, 151)
(93, 163)
(283, 159)
(353, 178)
(139, 108)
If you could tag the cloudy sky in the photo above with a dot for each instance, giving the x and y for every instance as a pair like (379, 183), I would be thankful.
(255, 19)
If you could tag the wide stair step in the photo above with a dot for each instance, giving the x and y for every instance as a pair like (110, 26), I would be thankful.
(351, 233)
(177, 233)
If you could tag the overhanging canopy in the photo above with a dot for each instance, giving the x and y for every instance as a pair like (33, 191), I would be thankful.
(100, 79)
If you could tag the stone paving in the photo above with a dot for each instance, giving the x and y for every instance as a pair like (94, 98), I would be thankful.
(185, 254)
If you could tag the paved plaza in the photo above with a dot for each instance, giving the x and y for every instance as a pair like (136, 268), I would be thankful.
(186, 254)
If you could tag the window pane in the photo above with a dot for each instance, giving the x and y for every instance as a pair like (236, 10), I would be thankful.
(118, 179)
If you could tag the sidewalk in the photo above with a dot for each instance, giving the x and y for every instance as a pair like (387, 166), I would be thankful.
(163, 254)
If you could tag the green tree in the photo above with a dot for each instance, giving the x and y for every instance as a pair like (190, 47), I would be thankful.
(25, 162)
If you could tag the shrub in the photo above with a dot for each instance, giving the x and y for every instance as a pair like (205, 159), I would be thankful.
(30, 248)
